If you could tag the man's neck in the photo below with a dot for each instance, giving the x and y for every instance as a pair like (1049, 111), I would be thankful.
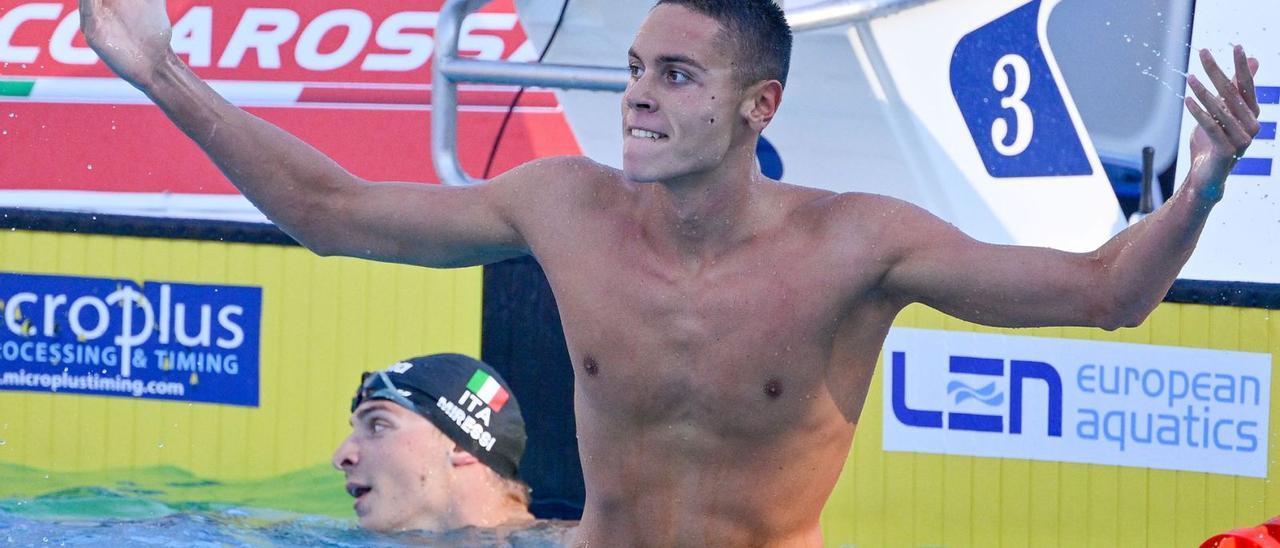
(480, 500)
(495, 509)
(707, 214)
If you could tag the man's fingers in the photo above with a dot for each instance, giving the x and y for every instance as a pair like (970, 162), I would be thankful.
(1206, 121)
(1231, 98)
(1229, 126)
(1211, 102)
(1215, 74)
(1240, 107)
(1244, 80)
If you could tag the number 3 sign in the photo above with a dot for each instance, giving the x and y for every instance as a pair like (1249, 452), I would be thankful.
(1007, 94)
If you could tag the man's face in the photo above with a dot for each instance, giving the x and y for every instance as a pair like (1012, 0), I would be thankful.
(397, 467)
(680, 112)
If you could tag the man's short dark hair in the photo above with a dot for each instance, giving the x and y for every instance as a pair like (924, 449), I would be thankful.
(757, 28)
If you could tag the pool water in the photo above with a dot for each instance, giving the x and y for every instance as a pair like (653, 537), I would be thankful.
(167, 507)
(100, 517)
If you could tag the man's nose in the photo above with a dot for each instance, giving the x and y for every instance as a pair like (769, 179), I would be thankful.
(639, 95)
(346, 456)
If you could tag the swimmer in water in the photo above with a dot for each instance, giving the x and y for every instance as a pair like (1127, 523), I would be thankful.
(433, 448)
(723, 326)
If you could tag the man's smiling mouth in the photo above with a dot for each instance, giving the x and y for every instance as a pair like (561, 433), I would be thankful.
(646, 134)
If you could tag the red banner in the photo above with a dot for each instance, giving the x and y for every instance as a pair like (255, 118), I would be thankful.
(351, 78)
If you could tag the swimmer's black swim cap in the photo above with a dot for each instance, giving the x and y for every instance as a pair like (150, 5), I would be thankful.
(465, 398)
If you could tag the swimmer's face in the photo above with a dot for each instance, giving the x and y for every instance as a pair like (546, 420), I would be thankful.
(682, 111)
(397, 466)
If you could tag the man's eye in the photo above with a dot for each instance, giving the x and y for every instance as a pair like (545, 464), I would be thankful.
(636, 71)
(378, 426)
(677, 77)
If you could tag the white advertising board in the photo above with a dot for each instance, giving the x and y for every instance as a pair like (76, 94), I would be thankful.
(1069, 400)
(1239, 241)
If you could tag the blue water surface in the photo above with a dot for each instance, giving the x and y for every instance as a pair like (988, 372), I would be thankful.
(102, 517)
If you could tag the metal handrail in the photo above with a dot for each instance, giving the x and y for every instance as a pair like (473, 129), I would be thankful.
(449, 69)
(843, 12)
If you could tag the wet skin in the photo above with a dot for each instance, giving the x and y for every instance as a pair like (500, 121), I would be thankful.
(723, 327)
(396, 465)
(716, 401)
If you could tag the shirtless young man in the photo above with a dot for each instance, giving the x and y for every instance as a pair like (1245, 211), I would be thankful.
(723, 327)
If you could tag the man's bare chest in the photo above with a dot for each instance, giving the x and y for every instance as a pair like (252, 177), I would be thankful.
(660, 343)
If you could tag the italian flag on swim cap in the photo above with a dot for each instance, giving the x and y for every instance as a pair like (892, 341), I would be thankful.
(488, 390)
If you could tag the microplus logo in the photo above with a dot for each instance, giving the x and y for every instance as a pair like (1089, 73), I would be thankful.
(1077, 401)
(113, 337)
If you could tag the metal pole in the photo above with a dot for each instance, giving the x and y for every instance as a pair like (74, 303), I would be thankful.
(444, 94)
(843, 12)
(537, 75)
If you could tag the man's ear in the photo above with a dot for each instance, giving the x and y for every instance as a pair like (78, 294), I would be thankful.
(761, 103)
(460, 457)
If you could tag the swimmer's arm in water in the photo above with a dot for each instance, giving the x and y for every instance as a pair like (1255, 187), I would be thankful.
(307, 194)
(1117, 285)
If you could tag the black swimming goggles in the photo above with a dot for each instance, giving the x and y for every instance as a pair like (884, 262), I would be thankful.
(377, 385)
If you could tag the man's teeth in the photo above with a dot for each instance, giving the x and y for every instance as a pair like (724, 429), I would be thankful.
(646, 134)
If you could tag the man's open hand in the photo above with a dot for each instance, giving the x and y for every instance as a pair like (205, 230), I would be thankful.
(1227, 121)
(131, 36)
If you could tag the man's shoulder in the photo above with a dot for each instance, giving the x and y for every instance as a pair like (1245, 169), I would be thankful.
(561, 182)
(566, 170)
(845, 209)
(563, 188)
(854, 222)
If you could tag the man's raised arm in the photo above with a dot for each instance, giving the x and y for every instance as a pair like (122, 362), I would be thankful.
(304, 192)
(1117, 285)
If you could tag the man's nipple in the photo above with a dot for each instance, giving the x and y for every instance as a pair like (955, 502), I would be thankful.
(773, 388)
